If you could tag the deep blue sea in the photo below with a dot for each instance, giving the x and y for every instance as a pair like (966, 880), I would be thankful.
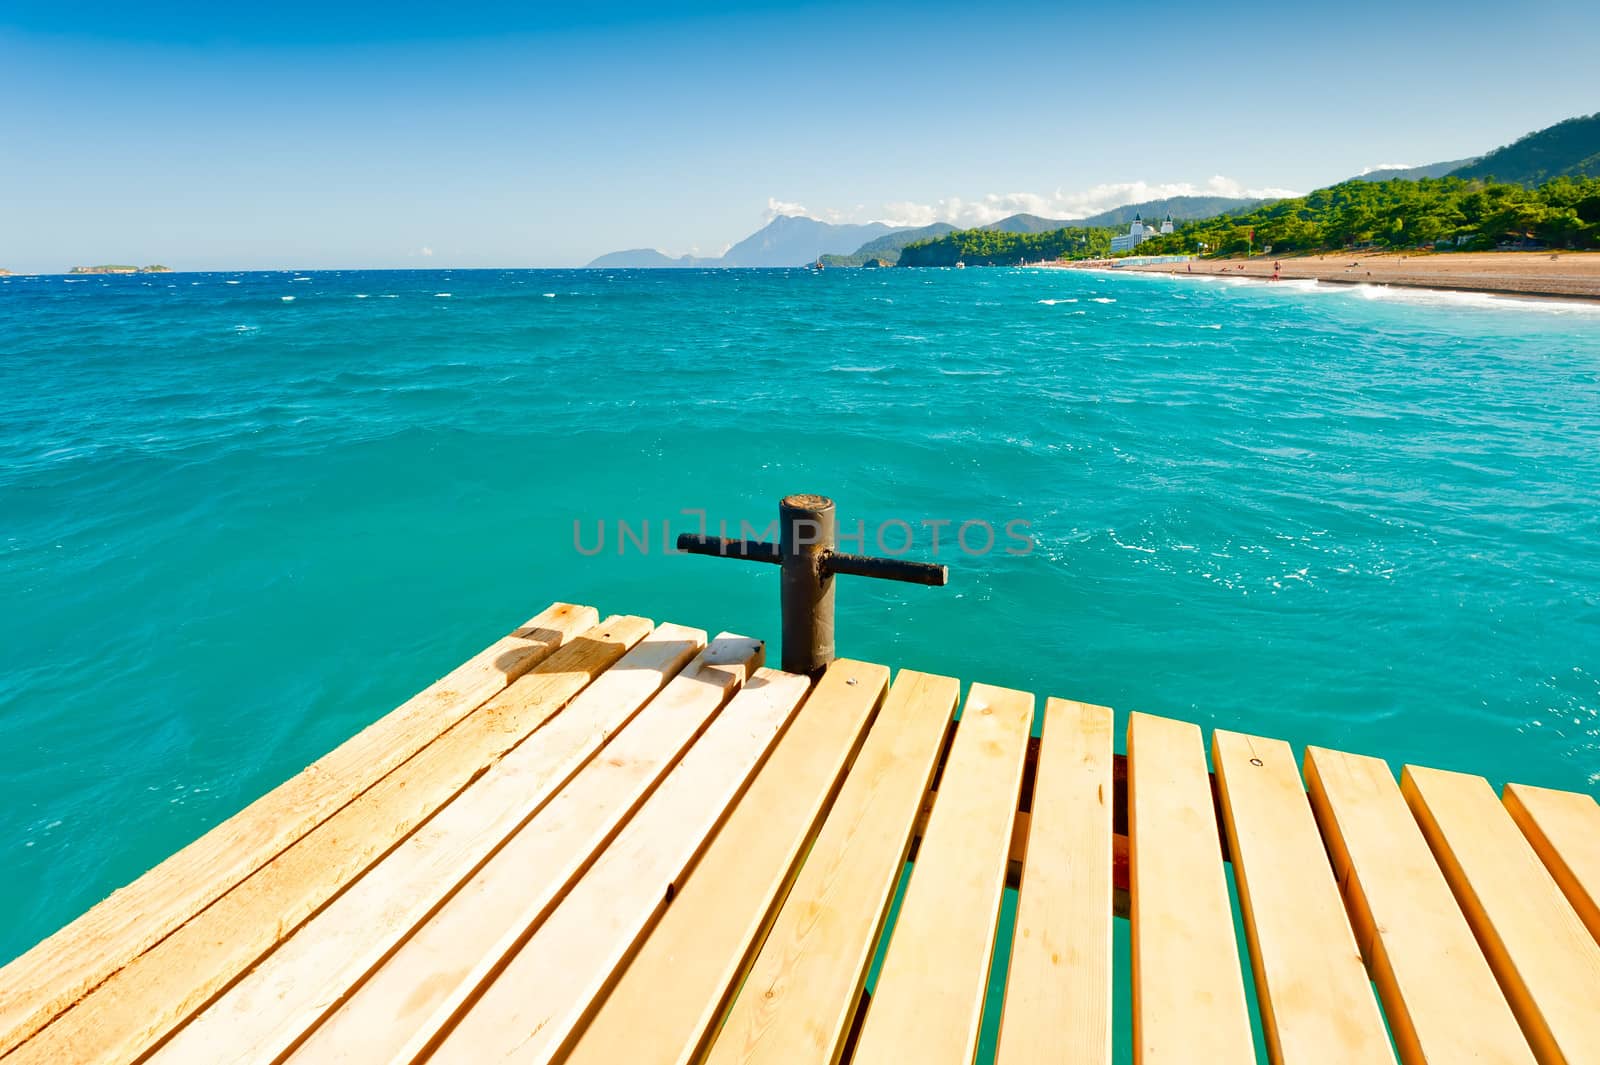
(243, 515)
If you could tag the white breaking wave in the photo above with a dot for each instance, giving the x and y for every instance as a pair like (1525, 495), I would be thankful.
(1379, 292)
(1488, 301)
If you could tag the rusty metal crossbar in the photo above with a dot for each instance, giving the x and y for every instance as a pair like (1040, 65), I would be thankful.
(807, 551)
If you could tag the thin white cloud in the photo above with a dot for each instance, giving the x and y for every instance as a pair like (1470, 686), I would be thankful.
(425, 251)
(776, 207)
(1389, 166)
(1066, 204)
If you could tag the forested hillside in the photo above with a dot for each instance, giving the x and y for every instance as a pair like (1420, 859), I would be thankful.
(1404, 214)
(1447, 212)
(1566, 149)
(990, 247)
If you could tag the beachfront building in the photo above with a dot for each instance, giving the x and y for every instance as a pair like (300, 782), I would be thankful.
(1138, 233)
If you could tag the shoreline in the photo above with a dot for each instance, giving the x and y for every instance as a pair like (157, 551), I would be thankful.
(1569, 277)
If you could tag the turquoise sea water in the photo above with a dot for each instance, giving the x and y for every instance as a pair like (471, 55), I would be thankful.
(235, 526)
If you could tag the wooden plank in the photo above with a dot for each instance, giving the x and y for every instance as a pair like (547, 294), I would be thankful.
(272, 1007)
(1439, 996)
(537, 865)
(140, 1004)
(1564, 829)
(1058, 988)
(1547, 962)
(674, 991)
(1188, 991)
(802, 991)
(525, 1015)
(1317, 1004)
(38, 985)
(929, 997)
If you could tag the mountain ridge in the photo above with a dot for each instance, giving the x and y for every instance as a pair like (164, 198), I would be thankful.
(886, 249)
(1569, 148)
(797, 240)
(1413, 173)
(786, 241)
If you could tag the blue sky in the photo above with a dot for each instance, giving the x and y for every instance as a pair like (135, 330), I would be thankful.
(212, 136)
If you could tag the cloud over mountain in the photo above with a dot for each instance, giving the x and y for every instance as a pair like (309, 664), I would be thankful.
(1066, 204)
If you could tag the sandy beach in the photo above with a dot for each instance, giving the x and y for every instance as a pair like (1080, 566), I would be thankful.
(1565, 275)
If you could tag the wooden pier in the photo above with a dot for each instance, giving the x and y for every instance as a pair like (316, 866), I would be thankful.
(616, 842)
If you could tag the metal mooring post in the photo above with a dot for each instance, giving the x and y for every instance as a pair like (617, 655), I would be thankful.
(808, 552)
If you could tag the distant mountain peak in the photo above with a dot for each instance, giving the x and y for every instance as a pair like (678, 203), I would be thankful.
(1395, 172)
(643, 259)
(787, 240)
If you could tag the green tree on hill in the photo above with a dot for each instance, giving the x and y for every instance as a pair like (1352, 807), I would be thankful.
(1401, 214)
(1563, 213)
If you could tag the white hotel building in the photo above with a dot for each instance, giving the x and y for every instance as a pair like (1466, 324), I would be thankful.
(1138, 233)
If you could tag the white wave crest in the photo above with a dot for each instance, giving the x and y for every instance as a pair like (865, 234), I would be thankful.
(1488, 301)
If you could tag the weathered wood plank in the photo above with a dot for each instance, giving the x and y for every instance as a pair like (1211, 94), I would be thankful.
(929, 997)
(1317, 1004)
(1439, 996)
(1058, 988)
(801, 993)
(62, 969)
(525, 1015)
(670, 997)
(536, 866)
(272, 1007)
(1564, 829)
(141, 1003)
(1546, 960)
(1188, 990)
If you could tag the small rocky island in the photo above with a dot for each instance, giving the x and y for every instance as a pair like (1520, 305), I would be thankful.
(120, 270)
